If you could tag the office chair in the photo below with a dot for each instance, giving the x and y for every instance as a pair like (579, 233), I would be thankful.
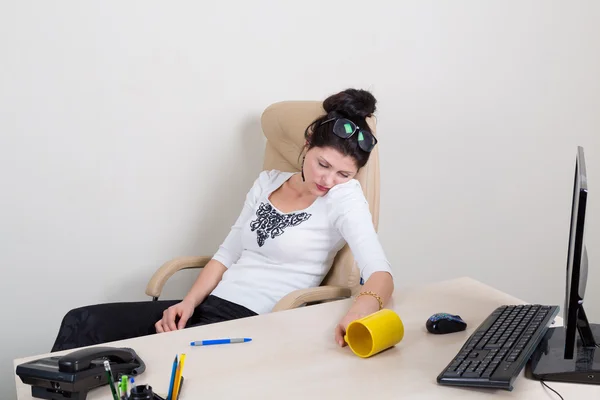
(283, 125)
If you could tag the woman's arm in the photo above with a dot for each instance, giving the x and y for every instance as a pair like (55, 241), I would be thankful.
(380, 283)
(207, 281)
(350, 214)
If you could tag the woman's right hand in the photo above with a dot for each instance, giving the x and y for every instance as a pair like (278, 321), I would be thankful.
(183, 310)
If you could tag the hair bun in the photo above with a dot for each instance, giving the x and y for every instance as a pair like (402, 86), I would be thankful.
(351, 103)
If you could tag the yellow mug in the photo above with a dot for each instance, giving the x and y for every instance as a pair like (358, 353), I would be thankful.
(374, 333)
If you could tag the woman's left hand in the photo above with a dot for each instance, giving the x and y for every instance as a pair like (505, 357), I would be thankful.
(363, 306)
(340, 329)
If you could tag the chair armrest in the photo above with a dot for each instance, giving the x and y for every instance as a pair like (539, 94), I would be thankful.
(160, 277)
(300, 297)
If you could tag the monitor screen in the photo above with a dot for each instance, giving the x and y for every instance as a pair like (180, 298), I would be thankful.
(576, 255)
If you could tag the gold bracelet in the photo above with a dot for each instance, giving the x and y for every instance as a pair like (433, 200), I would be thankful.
(372, 294)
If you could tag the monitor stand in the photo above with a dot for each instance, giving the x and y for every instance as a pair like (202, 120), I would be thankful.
(548, 361)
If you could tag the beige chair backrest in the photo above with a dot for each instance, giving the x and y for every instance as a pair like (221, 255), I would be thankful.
(283, 125)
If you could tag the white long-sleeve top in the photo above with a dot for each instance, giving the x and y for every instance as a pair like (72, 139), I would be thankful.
(269, 253)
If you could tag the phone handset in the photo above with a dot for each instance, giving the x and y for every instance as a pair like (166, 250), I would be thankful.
(82, 359)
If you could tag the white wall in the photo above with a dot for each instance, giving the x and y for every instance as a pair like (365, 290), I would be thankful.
(129, 134)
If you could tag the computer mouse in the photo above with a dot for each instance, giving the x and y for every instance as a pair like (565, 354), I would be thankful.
(442, 323)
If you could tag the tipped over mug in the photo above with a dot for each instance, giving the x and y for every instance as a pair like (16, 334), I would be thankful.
(374, 333)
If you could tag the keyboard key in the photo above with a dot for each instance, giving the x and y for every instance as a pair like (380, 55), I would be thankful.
(452, 374)
(454, 365)
(493, 346)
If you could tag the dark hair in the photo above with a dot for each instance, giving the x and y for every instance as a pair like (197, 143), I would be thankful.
(354, 104)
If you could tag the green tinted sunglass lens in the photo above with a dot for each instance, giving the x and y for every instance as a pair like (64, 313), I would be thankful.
(343, 128)
(366, 141)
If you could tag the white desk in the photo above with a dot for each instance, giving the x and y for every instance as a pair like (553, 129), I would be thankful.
(293, 355)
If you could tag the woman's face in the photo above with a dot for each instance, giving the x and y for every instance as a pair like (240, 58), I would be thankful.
(325, 167)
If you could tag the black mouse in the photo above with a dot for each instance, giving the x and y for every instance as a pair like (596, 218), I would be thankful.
(441, 323)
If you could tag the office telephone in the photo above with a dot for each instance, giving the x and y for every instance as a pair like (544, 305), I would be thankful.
(73, 375)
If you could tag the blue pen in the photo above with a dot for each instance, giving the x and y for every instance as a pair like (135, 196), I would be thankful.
(131, 384)
(172, 383)
(219, 341)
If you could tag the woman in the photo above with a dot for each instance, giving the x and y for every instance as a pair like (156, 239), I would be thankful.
(290, 229)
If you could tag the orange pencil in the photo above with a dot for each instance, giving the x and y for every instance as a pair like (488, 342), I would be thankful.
(178, 377)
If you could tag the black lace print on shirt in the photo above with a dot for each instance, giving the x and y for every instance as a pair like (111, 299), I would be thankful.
(270, 222)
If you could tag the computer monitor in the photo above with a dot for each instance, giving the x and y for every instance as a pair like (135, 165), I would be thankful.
(568, 353)
(577, 265)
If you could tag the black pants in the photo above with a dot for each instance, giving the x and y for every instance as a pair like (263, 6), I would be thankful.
(103, 323)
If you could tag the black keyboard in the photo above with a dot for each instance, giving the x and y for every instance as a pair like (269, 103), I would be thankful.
(494, 355)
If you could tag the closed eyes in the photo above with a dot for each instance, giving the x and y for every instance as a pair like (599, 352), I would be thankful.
(342, 174)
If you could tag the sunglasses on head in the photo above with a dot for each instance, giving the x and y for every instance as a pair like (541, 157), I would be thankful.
(344, 128)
